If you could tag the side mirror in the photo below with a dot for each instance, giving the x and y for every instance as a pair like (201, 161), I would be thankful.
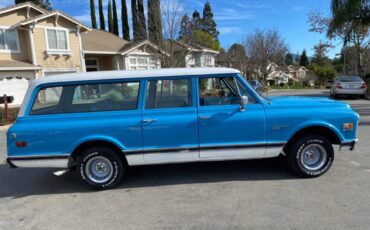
(243, 103)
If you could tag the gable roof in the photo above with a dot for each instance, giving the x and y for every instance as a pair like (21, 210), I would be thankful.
(102, 42)
(21, 6)
(134, 45)
(51, 14)
(179, 45)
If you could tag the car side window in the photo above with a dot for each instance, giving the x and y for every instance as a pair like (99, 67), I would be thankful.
(172, 93)
(86, 98)
(221, 91)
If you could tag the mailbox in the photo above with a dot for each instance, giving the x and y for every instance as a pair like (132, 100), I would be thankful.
(10, 99)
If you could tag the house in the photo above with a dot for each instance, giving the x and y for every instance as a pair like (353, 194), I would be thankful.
(287, 74)
(36, 43)
(105, 51)
(191, 55)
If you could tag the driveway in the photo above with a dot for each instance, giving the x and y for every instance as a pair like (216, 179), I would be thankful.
(258, 194)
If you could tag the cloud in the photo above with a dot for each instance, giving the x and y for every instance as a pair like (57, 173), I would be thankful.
(252, 5)
(230, 30)
(229, 14)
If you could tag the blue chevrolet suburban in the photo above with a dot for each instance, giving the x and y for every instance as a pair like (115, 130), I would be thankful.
(101, 123)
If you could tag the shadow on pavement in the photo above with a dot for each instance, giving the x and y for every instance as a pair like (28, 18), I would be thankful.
(19, 183)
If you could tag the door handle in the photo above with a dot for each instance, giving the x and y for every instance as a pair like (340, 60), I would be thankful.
(205, 117)
(149, 120)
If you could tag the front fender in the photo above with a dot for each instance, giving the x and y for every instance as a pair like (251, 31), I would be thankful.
(312, 123)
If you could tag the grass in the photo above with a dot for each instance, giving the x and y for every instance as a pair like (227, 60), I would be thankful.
(13, 113)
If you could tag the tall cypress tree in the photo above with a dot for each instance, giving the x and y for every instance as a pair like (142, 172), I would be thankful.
(185, 28)
(303, 61)
(142, 20)
(135, 20)
(124, 18)
(110, 17)
(196, 21)
(101, 15)
(208, 23)
(92, 14)
(155, 21)
(115, 19)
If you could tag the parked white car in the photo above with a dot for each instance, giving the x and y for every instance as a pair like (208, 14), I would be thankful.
(348, 85)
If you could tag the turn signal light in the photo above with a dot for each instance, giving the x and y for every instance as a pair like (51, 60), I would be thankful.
(339, 86)
(347, 126)
(21, 144)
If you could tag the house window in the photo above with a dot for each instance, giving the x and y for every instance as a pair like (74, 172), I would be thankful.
(57, 39)
(92, 65)
(8, 40)
(208, 59)
(142, 62)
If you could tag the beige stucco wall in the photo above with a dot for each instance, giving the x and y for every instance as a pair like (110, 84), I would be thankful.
(9, 19)
(56, 61)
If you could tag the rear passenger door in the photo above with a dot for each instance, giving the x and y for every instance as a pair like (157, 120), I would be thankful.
(169, 120)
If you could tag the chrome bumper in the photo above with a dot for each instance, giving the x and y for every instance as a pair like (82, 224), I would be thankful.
(38, 162)
(348, 145)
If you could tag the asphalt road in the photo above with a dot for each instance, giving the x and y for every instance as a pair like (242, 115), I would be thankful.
(258, 194)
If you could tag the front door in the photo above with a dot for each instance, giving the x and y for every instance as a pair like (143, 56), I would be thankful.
(169, 121)
(224, 130)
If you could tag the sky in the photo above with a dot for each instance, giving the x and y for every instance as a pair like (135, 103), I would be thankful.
(236, 19)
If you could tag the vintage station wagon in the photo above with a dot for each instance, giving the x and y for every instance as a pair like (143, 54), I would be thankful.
(100, 123)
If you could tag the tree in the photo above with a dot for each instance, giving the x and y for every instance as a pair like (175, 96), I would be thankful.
(142, 21)
(110, 17)
(155, 21)
(264, 47)
(237, 56)
(321, 65)
(204, 39)
(92, 14)
(196, 21)
(208, 23)
(115, 19)
(222, 58)
(349, 21)
(303, 60)
(185, 28)
(101, 15)
(289, 59)
(135, 20)
(45, 4)
(124, 18)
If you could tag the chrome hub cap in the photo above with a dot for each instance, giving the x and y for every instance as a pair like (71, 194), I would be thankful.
(313, 157)
(99, 169)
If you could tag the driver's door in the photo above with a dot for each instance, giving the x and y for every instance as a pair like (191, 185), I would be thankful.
(224, 130)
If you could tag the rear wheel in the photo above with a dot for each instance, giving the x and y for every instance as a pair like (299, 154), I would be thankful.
(311, 156)
(100, 168)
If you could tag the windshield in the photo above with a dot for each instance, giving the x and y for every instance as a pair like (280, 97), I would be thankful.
(258, 92)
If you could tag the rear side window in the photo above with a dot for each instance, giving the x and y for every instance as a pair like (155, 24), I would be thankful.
(87, 98)
(168, 94)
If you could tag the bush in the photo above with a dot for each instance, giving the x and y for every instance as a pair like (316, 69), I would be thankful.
(13, 113)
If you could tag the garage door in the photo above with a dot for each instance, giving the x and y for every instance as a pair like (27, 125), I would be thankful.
(15, 84)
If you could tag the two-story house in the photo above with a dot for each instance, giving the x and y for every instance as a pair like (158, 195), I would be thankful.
(36, 43)
(191, 55)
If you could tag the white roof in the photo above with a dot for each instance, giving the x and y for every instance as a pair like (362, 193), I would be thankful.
(126, 74)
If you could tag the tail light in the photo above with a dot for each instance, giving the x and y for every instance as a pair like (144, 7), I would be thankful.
(339, 86)
(363, 86)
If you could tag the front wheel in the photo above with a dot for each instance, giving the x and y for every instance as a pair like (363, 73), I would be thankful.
(101, 168)
(311, 156)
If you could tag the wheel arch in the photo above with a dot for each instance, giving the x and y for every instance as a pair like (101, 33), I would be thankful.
(93, 142)
(328, 131)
